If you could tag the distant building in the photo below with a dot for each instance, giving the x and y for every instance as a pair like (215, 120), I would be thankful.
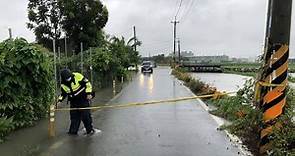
(240, 60)
(183, 54)
(207, 59)
(187, 54)
(291, 60)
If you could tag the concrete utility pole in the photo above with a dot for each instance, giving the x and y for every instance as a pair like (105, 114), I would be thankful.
(55, 70)
(66, 51)
(10, 33)
(59, 67)
(91, 66)
(179, 53)
(271, 90)
(175, 22)
(82, 64)
(135, 38)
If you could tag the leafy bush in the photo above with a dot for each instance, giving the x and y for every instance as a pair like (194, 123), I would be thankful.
(6, 126)
(284, 136)
(26, 86)
(195, 85)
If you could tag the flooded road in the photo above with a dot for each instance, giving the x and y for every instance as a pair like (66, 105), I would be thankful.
(184, 129)
(222, 81)
(227, 82)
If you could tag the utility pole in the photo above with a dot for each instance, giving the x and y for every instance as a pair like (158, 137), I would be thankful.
(82, 64)
(66, 51)
(10, 33)
(270, 94)
(135, 38)
(55, 71)
(175, 22)
(59, 62)
(91, 67)
(179, 53)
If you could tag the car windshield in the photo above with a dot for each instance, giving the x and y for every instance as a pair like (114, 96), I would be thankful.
(146, 63)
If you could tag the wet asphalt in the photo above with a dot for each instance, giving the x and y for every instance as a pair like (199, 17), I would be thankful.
(179, 129)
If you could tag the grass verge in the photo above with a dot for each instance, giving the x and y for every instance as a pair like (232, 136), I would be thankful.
(246, 121)
(195, 85)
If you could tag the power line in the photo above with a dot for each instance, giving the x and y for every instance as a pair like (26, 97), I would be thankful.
(192, 6)
(188, 9)
(179, 7)
(175, 9)
(156, 43)
(156, 46)
(185, 9)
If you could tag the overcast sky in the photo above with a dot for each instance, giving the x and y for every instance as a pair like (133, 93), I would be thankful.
(207, 27)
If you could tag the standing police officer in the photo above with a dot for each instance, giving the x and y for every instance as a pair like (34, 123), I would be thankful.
(79, 92)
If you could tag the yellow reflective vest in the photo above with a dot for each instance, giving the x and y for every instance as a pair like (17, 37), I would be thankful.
(78, 86)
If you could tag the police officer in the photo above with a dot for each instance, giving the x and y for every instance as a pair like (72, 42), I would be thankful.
(79, 92)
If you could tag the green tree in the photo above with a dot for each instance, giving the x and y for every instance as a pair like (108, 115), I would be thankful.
(44, 19)
(125, 51)
(83, 21)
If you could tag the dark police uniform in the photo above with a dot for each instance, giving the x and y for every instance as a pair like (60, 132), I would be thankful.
(77, 90)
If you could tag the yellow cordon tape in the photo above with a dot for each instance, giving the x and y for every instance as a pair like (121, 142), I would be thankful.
(51, 127)
(264, 84)
(145, 103)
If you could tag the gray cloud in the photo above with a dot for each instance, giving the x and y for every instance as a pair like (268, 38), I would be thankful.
(232, 27)
(13, 14)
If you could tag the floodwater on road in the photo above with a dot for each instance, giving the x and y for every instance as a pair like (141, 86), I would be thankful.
(222, 81)
(180, 128)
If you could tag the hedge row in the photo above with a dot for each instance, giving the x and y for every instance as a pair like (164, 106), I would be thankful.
(26, 86)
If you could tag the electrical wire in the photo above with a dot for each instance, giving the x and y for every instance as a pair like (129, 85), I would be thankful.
(175, 9)
(192, 6)
(156, 43)
(185, 7)
(179, 7)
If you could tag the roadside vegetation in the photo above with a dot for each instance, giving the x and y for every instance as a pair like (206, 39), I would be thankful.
(26, 86)
(196, 86)
(108, 62)
(246, 120)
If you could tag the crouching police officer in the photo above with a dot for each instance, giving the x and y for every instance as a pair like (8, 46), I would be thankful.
(79, 92)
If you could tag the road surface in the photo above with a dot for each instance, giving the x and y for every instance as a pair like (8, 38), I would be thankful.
(182, 129)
